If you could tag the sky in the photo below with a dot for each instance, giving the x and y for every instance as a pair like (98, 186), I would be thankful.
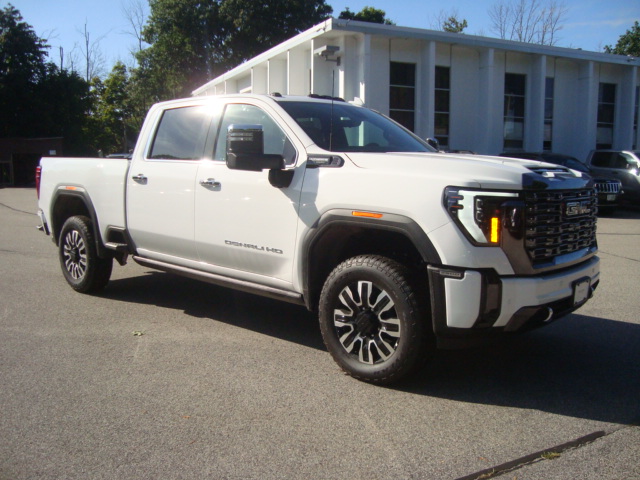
(589, 24)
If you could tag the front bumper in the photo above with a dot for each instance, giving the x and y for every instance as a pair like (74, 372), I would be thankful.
(468, 303)
(608, 199)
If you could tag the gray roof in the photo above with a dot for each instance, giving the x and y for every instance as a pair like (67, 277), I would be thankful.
(393, 31)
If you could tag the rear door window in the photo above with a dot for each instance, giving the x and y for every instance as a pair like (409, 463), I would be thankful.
(181, 134)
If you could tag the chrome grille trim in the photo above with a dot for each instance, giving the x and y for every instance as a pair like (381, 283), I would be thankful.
(559, 222)
(608, 186)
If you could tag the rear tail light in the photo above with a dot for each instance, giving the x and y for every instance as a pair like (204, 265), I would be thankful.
(38, 176)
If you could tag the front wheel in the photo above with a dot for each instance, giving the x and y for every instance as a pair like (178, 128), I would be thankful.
(81, 266)
(371, 319)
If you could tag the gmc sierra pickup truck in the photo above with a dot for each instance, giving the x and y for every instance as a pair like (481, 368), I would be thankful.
(399, 248)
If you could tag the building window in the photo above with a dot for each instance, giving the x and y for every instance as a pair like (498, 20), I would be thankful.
(548, 114)
(402, 94)
(514, 110)
(636, 111)
(606, 115)
(442, 105)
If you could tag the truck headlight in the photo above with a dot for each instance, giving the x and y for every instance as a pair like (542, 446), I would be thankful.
(479, 214)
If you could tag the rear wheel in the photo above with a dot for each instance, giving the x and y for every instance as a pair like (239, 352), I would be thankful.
(372, 320)
(81, 266)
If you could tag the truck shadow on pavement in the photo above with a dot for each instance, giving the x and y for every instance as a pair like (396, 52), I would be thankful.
(202, 300)
(580, 366)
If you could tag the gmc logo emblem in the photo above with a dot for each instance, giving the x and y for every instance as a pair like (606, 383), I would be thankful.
(577, 208)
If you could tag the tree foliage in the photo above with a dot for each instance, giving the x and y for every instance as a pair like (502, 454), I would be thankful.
(448, 21)
(62, 107)
(189, 42)
(114, 112)
(36, 97)
(453, 25)
(192, 41)
(367, 14)
(628, 43)
(254, 27)
(22, 68)
(184, 37)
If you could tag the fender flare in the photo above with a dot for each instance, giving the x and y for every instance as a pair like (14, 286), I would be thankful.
(389, 222)
(80, 193)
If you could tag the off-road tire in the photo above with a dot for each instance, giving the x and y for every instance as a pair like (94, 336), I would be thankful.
(81, 266)
(374, 320)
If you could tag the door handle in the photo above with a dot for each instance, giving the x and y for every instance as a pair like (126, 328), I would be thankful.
(140, 178)
(210, 182)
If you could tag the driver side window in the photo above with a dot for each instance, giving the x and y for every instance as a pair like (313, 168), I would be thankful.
(630, 161)
(621, 161)
(275, 140)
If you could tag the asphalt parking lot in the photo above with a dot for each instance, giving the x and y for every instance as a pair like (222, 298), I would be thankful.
(160, 377)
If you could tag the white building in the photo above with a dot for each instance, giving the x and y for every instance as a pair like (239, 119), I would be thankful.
(471, 93)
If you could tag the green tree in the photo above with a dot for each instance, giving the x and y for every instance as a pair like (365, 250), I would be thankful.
(367, 14)
(628, 43)
(254, 27)
(22, 67)
(453, 25)
(37, 99)
(63, 103)
(192, 41)
(113, 111)
(185, 37)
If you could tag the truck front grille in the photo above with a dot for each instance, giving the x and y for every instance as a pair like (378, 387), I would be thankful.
(607, 186)
(559, 222)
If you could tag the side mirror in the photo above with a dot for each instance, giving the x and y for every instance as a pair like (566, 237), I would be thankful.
(245, 150)
(432, 142)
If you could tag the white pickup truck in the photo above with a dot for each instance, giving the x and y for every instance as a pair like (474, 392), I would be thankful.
(315, 201)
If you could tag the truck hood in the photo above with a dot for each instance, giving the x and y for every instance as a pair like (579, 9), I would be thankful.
(455, 169)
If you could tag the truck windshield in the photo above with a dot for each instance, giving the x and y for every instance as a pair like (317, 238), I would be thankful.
(341, 127)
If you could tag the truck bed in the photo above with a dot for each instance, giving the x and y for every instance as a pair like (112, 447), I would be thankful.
(102, 180)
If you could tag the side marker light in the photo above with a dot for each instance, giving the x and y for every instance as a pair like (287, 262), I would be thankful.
(367, 214)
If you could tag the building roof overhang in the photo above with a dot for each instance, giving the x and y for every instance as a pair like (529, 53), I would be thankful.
(347, 27)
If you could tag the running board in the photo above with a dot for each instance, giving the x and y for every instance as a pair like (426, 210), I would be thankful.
(242, 285)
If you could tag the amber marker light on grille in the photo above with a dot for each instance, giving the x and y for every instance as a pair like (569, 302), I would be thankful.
(495, 224)
(366, 214)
